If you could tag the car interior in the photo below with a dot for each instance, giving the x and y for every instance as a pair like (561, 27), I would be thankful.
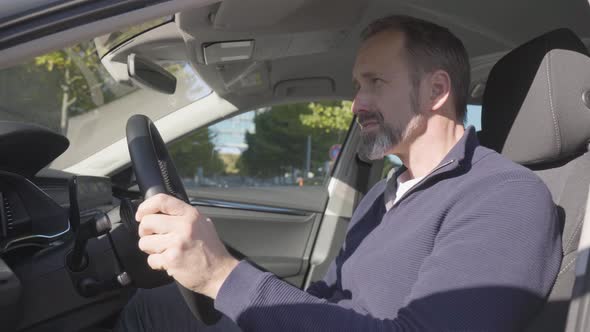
(69, 259)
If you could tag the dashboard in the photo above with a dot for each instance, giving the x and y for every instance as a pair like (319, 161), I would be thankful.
(44, 215)
(35, 211)
(93, 191)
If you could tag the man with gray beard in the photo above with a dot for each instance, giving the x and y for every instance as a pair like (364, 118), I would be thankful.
(459, 238)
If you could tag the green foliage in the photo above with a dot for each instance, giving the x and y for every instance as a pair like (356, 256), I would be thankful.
(56, 86)
(280, 143)
(31, 94)
(328, 117)
(57, 59)
(79, 69)
(194, 151)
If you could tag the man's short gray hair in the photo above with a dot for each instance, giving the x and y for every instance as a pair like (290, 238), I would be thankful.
(430, 47)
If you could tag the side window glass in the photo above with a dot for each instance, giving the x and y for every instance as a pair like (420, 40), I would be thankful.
(473, 116)
(288, 145)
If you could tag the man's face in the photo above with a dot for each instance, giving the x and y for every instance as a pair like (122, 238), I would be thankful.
(386, 104)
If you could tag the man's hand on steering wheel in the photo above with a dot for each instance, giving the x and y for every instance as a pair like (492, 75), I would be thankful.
(184, 243)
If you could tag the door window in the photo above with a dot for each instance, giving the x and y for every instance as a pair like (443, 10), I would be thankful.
(286, 146)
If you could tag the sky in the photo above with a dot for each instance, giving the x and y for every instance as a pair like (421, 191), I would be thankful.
(474, 116)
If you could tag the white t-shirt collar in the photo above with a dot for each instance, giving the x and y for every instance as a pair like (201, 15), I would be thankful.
(403, 185)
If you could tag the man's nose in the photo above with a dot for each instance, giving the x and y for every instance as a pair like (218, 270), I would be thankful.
(359, 104)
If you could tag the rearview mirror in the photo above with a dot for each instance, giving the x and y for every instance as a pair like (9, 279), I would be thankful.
(149, 74)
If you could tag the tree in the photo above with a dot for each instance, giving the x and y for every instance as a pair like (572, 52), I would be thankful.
(84, 76)
(31, 93)
(279, 144)
(329, 116)
(196, 150)
(78, 67)
(56, 86)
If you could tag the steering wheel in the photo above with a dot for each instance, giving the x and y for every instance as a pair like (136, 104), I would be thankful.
(156, 174)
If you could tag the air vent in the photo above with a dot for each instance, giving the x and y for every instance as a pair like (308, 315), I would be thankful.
(3, 231)
(15, 220)
(8, 214)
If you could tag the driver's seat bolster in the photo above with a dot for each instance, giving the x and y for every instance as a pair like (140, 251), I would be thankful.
(569, 187)
(536, 111)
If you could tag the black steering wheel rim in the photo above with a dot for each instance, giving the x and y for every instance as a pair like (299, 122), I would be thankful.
(155, 173)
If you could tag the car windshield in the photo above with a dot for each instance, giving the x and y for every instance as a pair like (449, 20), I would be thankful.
(70, 92)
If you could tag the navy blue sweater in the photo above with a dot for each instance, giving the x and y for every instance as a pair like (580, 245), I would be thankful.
(474, 246)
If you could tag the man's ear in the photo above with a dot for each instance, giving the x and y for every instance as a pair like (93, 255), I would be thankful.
(440, 89)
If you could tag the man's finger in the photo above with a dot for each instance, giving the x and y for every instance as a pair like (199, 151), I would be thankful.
(156, 224)
(156, 262)
(155, 244)
(161, 203)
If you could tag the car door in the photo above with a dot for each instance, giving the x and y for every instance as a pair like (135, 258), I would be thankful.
(262, 176)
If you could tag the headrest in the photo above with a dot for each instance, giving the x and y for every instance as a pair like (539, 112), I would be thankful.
(536, 106)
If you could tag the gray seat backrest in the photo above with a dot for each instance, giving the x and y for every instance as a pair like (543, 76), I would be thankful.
(536, 111)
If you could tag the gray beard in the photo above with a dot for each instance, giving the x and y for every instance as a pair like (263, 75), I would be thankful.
(374, 146)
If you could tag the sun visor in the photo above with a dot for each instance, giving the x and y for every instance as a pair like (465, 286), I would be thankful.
(307, 87)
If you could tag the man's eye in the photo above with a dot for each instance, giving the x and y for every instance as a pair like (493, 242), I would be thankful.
(376, 80)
